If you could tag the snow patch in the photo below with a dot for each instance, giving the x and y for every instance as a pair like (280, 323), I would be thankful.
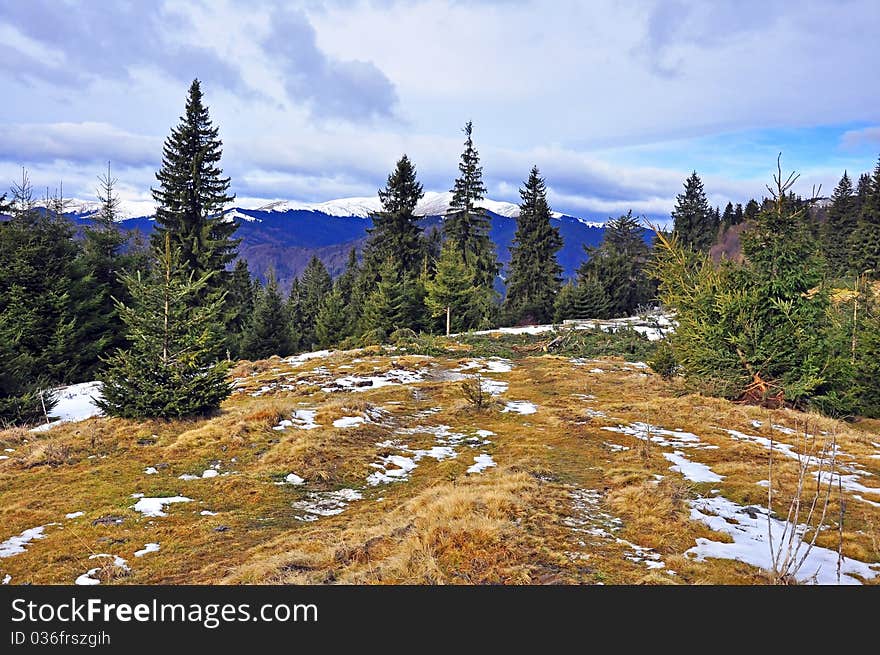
(660, 436)
(87, 579)
(748, 526)
(302, 419)
(148, 548)
(16, 545)
(348, 421)
(151, 470)
(75, 403)
(73, 515)
(693, 471)
(520, 407)
(155, 507)
(481, 463)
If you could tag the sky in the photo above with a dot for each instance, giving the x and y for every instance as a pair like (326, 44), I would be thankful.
(616, 101)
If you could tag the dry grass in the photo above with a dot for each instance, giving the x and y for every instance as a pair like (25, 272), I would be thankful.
(517, 523)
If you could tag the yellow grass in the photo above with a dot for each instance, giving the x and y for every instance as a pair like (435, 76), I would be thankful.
(567, 502)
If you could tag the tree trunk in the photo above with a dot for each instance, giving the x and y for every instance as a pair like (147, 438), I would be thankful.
(448, 318)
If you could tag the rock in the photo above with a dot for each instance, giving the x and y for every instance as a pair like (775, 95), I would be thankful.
(110, 519)
(221, 528)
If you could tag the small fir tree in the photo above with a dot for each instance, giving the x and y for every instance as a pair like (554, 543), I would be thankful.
(170, 368)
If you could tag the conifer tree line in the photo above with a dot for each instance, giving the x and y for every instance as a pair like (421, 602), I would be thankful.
(159, 322)
(797, 320)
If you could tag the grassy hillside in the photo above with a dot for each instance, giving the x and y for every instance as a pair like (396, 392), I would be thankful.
(577, 471)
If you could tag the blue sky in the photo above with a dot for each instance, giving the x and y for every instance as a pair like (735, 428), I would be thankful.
(616, 101)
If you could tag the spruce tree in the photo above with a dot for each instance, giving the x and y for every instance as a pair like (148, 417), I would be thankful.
(239, 306)
(267, 332)
(395, 230)
(866, 378)
(466, 223)
(351, 297)
(694, 220)
(45, 300)
(535, 274)
(293, 309)
(396, 302)
(452, 293)
(865, 239)
(332, 322)
(585, 300)
(757, 331)
(751, 211)
(728, 217)
(863, 190)
(191, 197)
(619, 265)
(838, 229)
(170, 368)
(738, 214)
(315, 283)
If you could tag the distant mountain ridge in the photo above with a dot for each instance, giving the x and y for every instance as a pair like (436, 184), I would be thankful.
(283, 235)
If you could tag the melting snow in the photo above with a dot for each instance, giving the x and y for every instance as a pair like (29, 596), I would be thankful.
(660, 436)
(325, 503)
(148, 548)
(292, 478)
(87, 579)
(493, 387)
(616, 448)
(150, 470)
(481, 463)
(16, 545)
(7, 579)
(73, 515)
(520, 407)
(348, 421)
(304, 357)
(748, 526)
(207, 512)
(75, 403)
(156, 506)
(303, 419)
(392, 468)
(692, 471)
(358, 384)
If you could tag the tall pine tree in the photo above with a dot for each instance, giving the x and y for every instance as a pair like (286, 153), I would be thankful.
(191, 197)
(535, 274)
(170, 368)
(466, 223)
(865, 239)
(694, 220)
(314, 284)
(395, 232)
(838, 229)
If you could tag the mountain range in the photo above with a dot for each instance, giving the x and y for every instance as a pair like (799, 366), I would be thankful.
(284, 235)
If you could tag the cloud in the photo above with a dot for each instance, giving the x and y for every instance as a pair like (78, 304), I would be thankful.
(860, 137)
(352, 89)
(102, 40)
(77, 142)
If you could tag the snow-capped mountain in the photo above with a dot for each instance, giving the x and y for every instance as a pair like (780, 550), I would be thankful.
(434, 203)
(283, 234)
